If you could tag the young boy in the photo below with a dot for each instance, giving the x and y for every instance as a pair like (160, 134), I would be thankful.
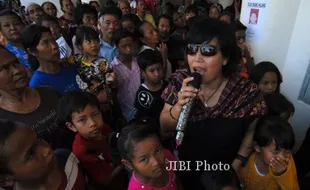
(191, 11)
(271, 166)
(148, 101)
(29, 163)
(80, 111)
(128, 73)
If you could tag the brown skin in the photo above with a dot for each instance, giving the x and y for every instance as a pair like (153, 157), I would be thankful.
(124, 7)
(67, 7)
(126, 49)
(11, 28)
(31, 161)
(90, 19)
(153, 76)
(15, 95)
(164, 27)
(109, 25)
(268, 83)
(35, 11)
(50, 9)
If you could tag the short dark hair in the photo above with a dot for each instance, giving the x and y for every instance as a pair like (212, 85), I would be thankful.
(149, 57)
(111, 10)
(240, 26)
(82, 9)
(138, 31)
(166, 16)
(48, 2)
(131, 17)
(277, 104)
(226, 13)
(30, 37)
(123, 33)
(216, 180)
(7, 12)
(270, 128)
(7, 128)
(223, 32)
(135, 132)
(75, 101)
(85, 33)
(91, 2)
(192, 9)
(46, 17)
(263, 67)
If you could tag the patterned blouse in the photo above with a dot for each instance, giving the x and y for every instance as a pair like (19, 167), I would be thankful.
(240, 98)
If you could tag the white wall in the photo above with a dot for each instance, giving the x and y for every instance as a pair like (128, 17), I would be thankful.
(40, 2)
(286, 42)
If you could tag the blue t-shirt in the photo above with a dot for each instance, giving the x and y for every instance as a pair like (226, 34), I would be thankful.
(63, 81)
(22, 55)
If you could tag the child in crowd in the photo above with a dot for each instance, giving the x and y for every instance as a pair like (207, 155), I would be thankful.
(29, 163)
(279, 105)
(148, 101)
(247, 62)
(271, 166)
(80, 111)
(11, 26)
(220, 180)
(129, 22)
(95, 73)
(142, 152)
(191, 11)
(53, 24)
(267, 77)
(128, 73)
(85, 15)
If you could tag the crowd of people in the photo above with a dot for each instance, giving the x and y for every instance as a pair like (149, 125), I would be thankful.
(91, 100)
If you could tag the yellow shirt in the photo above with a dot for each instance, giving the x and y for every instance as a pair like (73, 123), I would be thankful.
(149, 18)
(251, 180)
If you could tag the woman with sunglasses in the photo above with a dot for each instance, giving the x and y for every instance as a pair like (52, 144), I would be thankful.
(224, 106)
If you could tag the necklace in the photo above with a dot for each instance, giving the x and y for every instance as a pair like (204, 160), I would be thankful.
(205, 101)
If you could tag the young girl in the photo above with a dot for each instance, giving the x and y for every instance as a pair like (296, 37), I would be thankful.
(143, 153)
(28, 162)
(267, 76)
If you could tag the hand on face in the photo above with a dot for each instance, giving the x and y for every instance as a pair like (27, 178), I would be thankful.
(164, 50)
(186, 92)
(279, 165)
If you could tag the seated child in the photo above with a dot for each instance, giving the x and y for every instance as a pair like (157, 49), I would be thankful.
(271, 166)
(220, 180)
(81, 113)
(29, 163)
(148, 101)
(142, 152)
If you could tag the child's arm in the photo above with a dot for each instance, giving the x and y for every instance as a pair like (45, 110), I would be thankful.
(288, 179)
(116, 172)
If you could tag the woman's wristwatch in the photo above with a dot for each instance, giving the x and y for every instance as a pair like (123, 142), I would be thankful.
(242, 159)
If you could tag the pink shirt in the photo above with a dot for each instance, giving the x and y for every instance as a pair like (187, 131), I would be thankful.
(128, 83)
(134, 184)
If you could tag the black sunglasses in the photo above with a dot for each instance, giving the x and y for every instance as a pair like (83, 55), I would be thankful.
(205, 49)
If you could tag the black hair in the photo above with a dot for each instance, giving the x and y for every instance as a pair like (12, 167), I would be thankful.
(85, 33)
(123, 33)
(111, 10)
(192, 9)
(270, 128)
(135, 132)
(240, 26)
(7, 12)
(217, 180)
(131, 17)
(166, 16)
(225, 36)
(46, 17)
(218, 6)
(139, 31)
(46, 2)
(82, 9)
(110, 3)
(261, 68)
(31, 36)
(7, 128)
(75, 101)
(123, 1)
(149, 57)
(278, 104)
(231, 16)
(91, 2)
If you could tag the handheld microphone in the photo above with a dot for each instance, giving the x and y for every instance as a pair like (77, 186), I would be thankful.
(186, 109)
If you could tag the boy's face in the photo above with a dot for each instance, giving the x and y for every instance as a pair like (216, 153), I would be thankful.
(270, 151)
(164, 27)
(154, 73)
(30, 159)
(54, 27)
(11, 27)
(189, 15)
(90, 19)
(126, 46)
(88, 123)
(67, 6)
(149, 158)
(129, 25)
(90, 47)
(240, 36)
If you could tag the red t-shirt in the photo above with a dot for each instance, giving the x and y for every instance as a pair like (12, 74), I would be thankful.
(94, 156)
